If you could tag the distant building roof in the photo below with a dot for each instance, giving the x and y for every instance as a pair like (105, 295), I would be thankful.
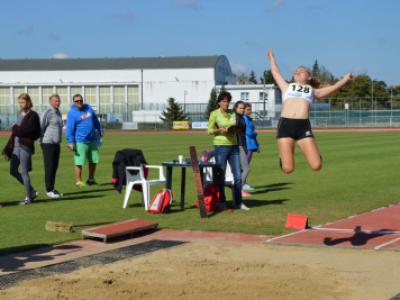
(178, 62)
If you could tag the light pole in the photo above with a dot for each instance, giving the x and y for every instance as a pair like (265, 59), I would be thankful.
(185, 92)
(372, 100)
(391, 105)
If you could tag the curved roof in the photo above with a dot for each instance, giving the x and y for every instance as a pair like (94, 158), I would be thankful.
(178, 62)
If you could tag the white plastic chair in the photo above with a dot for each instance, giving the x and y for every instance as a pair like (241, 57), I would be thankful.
(139, 178)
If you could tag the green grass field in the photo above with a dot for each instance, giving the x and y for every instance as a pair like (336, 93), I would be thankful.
(360, 173)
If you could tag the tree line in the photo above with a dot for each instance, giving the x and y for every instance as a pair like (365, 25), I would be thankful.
(362, 93)
(359, 93)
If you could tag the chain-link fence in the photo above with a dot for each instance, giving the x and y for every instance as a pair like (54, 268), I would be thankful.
(360, 112)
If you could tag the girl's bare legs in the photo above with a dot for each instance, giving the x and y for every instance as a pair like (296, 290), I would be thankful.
(286, 154)
(310, 150)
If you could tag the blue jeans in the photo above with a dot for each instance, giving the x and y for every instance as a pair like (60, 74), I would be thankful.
(231, 154)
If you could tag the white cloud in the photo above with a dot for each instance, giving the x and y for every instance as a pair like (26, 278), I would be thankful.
(238, 68)
(277, 4)
(59, 55)
(192, 4)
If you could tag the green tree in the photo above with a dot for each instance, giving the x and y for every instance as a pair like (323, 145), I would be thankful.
(212, 103)
(315, 71)
(174, 112)
(252, 77)
(359, 93)
(325, 76)
(267, 78)
(242, 79)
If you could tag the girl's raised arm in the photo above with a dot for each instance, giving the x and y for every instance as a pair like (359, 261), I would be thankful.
(282, 84)
(329, 90)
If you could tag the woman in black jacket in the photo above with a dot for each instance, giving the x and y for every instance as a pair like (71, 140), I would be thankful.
(241, 141)
(20, 146)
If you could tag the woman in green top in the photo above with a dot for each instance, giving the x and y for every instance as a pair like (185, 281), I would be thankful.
(222, 124)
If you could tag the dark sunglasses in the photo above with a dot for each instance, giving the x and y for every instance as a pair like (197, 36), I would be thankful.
(78, 101)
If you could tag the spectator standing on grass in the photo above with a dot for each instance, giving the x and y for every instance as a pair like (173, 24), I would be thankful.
(20, 146)
(51, 127)
(83, 134)
(222, 125)
(251, 140)
(241, 140)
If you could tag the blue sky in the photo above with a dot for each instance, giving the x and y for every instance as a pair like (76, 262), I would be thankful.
(344, 35)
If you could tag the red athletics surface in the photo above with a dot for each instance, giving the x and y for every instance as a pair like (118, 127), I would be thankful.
(106, 232)
(378, 229)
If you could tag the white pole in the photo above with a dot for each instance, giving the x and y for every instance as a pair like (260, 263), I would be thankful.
(391, 105)
(372, 99)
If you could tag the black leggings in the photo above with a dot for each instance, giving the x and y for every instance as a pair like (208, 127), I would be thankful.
(51, 157)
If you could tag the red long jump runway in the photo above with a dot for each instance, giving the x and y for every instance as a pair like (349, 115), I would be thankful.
(378, 229)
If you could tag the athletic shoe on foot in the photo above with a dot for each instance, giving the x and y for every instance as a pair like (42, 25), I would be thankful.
(58, 193)
(26, 201)
(91, 182)
(248, 188)
(54, 194)
(80, 184)
(34, 195)
(244, 207)
(245, 194)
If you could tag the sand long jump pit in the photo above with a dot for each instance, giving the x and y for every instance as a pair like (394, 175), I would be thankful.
(223, 270)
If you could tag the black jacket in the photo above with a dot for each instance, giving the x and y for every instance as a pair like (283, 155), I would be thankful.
(241, 131)
(28, 132)
(122, 159)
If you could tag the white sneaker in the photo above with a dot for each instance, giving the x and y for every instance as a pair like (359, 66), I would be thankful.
(26, 201)
(53, 195)
(244, 207)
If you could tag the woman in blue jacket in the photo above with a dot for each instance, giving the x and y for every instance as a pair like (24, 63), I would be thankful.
(251, 139)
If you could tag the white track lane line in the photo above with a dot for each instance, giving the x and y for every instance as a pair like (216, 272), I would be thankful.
(378, 232)
(386, 244)
(286, 235)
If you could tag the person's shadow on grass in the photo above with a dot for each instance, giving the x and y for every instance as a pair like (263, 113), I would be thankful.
(77, 197)
(262, 189)
(359, 238)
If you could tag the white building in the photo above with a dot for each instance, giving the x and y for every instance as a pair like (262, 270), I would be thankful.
(114, 86)
(263, 97)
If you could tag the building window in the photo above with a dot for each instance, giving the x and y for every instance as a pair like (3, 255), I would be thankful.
(263, 96)
(75, 90)
(4, 96)
(105, 95)
(47, 91)
(18, 91)
(62, 91)
(33, 92)
(133, 95)
(119, 94)
(91, 95)
(244, 96)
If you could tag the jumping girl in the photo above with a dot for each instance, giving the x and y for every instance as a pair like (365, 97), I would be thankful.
(294, 125)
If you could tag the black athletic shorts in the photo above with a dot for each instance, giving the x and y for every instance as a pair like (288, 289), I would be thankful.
(296, 129)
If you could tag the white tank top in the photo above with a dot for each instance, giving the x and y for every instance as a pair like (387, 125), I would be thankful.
(296, 90)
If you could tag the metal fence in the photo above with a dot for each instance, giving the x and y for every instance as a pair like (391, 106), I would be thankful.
(330, 113)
